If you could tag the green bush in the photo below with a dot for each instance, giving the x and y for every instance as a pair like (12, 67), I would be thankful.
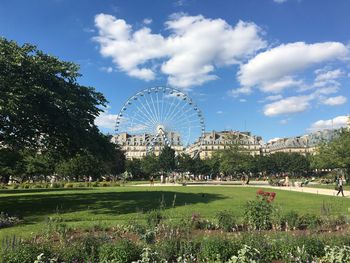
(57, 185)
(308, 221)
(104, 184)
(24, 253)
(217, 248)
(124, 251)
(153, 218)
(290, 220)
(82, 250)
(226, 220)
(167, 249)
(258, 214)
(15, 186)
(149, 236)
(7, 221)
(68, 185)
(336, 254)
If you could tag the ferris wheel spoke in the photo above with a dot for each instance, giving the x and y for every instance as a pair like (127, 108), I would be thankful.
(180, 114)
(154, 108)
(159, 118)
(140, 118)
(150, 109)
(179, 111)
(136, 121)
(147, 112)
(173, 102)
(162, 109)
(146, 116)
(173, 110)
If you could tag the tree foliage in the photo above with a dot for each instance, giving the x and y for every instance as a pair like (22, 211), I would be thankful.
(47, 118)
(167, 159)
(41, 103)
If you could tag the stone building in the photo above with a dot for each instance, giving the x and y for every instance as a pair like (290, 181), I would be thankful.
(305, 144)
(214, 141)
(137, 146)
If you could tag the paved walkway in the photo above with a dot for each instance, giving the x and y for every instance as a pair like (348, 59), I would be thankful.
(319, 191)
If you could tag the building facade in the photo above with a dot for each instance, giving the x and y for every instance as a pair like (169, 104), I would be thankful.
(215, 141)
(139, 145)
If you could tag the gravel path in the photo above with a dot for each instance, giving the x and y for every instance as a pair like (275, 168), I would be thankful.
(319, 191)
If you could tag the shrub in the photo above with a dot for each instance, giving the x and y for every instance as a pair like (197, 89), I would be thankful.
(95, 184)
(217, 248)
(168, 249)
(336, 254)
(24, 253)
(246, 254)
(153, 218)
(68, 185)
(84, 249)
(290, 220)
(258, 214)
(148, 256)
(57, 185)
(15, 186)
(149, 236)
(226, 220)
(308, 221)
(7, 221)
(123, 251)
(104, 184)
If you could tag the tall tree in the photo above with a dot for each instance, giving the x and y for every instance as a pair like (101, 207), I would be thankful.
(150, 165)
(41, 103)
(167, 159)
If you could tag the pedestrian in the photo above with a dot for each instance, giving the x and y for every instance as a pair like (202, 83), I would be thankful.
(340, 186)
(151, 180)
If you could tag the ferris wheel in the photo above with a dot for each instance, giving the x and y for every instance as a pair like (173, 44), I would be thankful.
(164, 116)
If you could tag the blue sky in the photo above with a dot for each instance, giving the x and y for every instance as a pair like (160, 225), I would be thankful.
(276, 68)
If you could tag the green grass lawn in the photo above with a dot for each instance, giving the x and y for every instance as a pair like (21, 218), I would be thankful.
(86, 207)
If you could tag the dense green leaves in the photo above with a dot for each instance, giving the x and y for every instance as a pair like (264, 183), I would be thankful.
(47, 118)
(41, 104)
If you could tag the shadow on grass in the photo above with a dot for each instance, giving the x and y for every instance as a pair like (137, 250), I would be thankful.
(99, 203)
(41, 190)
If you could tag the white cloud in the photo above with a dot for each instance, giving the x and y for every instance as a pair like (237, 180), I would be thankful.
(328, 75)
(288, 105)
(278, 64)
(335, 123)
(242, 100)
(107, 69)
(280, 85)
(280, 1)
(147, 21)
(333, 101)
(236, 92)
(328, 90)
(284, 121)
(273, 97)
(106, 120)
(219, 112)
(189, 56)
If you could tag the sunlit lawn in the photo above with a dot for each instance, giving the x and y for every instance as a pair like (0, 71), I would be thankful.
(86, 207)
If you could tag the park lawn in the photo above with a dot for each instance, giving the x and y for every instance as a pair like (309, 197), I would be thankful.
(109, 206)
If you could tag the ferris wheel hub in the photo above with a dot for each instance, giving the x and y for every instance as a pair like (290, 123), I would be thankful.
(160, 129)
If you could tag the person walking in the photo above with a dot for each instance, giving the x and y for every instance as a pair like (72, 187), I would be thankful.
(340, 186)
